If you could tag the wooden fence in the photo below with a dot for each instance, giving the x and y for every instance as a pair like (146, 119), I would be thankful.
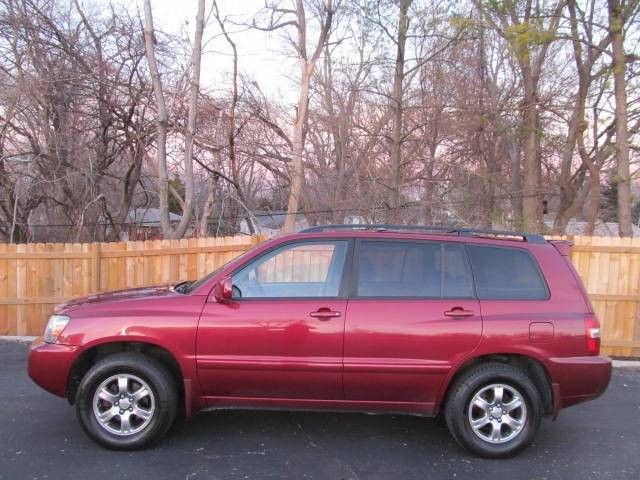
(35, 277)
(610, 271)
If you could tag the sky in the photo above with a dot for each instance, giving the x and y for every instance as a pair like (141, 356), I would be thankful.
(260, 53)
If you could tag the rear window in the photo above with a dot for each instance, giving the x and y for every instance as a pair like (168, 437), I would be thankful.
(407, 269)
(506, 274)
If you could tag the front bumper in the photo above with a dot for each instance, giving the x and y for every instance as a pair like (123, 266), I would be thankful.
(50, 365)
(578, 379)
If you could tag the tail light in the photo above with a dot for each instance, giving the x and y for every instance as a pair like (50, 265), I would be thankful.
(592, 327)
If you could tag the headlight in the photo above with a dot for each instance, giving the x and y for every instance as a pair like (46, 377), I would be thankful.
(55, 326)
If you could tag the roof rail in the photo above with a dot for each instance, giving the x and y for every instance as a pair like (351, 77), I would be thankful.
(461, 231)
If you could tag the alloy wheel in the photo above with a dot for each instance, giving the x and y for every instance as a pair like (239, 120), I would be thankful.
(123, 404)
(497, 413)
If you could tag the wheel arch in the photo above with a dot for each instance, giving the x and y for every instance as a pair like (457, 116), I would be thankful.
(533, 367)
(102, 350)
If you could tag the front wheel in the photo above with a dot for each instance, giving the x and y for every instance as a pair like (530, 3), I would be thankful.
(126, 401)
(494, 410)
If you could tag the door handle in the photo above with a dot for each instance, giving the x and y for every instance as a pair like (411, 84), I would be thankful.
(459, 312)
(324, 314)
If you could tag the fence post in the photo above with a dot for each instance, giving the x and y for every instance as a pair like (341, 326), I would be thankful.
(257, 239)
(95, 267)
(21, 289)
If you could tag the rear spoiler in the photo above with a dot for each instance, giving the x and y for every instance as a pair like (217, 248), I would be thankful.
(562, 246)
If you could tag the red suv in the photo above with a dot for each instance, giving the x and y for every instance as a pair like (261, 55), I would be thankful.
(492, 329)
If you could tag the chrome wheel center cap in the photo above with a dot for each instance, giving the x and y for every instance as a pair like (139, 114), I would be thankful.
(125, 403)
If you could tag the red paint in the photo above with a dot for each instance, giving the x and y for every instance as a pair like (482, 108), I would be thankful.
(243, 352)
(541, 332)
(50, 364)
(402, 350)
(563, 246)
(396, 355)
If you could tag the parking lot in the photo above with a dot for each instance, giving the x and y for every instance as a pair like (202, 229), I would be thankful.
(40, 438)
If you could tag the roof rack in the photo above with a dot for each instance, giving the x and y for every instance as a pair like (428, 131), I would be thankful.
(461, 231)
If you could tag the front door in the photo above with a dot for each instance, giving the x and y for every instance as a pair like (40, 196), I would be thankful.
(412, 316)
(282, 334)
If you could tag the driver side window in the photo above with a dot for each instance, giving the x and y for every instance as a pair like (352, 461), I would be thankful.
(306, 269)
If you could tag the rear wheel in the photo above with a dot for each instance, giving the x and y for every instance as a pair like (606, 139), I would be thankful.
(126, 401)
(494, 410)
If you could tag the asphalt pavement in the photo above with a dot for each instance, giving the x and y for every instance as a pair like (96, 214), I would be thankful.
(40, 438)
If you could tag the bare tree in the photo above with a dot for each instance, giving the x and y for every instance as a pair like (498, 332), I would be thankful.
(618, 10)
(233, 129)
(75, 119)
(307, 67)
(529, 30)
(281, 17)
(163, 120)
(588, 48)
(397, 104)
(411, 111)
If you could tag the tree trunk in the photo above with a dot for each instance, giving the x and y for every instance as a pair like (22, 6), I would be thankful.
(336, 127)
(569, 184)
(397, 108)
(485, 143)
(214, 184)
(231, 136)
(594, 203)
(508, 18)
(307, 67)
(162, 122)
(623, 180)
(567, 211)
(194, 90)
(203, 226)
(512, 147)
(427, 199)
(297, 167)
(532, 166)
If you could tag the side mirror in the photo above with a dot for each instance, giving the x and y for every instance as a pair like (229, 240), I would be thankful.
(224, 290)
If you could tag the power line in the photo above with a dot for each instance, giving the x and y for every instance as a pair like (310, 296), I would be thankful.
(302, 212)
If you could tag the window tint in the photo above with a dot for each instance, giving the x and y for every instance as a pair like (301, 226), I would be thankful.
(309, 269)
(506, 274)
(457, 278)
(405, 269)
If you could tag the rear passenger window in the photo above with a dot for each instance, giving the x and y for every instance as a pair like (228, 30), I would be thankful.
(506, 274)
(406, 269)
(456, 281)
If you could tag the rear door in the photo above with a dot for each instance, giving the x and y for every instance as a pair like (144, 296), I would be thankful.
(411, 315)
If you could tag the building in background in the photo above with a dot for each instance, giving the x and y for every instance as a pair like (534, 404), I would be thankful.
(270, 223)
(144, 224)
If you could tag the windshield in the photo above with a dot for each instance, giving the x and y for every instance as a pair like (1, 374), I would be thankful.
(188, 287)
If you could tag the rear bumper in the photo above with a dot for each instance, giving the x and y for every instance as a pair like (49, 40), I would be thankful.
(50, 365)
(578, 379)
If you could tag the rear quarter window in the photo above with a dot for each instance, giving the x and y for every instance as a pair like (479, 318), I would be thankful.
(506, 274)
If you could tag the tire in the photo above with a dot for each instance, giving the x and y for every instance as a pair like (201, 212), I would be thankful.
(127, 401)
(496, 432)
